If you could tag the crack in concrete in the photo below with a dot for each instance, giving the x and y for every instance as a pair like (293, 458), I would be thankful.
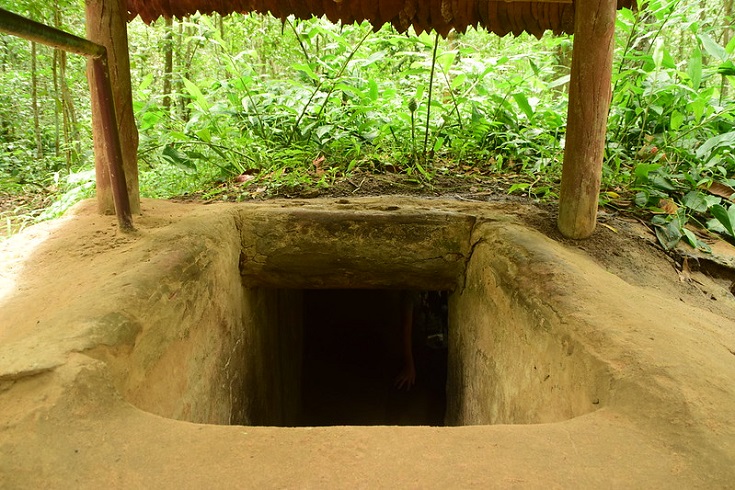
(472, 246)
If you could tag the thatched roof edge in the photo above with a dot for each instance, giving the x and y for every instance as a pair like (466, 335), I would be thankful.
(499, 17)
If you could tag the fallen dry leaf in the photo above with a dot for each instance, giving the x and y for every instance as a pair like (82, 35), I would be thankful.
(244, 178)
(609, 227)
(721, 190)
(318, 165)
(668, 206)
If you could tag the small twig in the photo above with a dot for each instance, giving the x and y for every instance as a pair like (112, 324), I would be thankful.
(428, 107)
(357, 187)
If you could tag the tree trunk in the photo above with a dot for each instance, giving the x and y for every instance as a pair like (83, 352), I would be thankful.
(106, 25)
(64, 113)
(729, 10)
(71, 135)
(168, 68)
(589, 101)
(34, 103)
(57, 102)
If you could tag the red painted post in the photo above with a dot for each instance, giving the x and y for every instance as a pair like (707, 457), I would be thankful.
(106, 25)
(111, 136)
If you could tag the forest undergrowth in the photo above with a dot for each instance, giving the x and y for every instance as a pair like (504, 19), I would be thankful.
(247, 107)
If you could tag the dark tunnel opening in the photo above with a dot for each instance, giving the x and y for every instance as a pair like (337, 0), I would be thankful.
(356, 348)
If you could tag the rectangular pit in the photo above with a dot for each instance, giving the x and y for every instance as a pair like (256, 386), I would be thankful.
(247, 347)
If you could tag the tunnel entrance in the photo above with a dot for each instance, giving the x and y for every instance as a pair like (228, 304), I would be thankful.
(274, 331)
(358, 348)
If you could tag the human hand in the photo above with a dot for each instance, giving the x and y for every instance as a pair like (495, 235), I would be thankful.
(406, 378)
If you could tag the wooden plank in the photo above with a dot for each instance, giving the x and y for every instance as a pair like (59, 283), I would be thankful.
(389, 9)
(555, 15)
(371, 11)
(589, 101)
(502, 22)
(534, 15)
(437, 18)
(482, 12)
(421, 21)
(523, 12)
(567, 18)
(472, 15)
(514, 17)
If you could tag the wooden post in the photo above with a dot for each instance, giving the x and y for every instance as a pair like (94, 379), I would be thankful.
(106, 25)
(589, 101)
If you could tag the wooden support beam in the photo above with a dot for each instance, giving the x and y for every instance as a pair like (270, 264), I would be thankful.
(106, 25)
(589, 101)
(20, 26)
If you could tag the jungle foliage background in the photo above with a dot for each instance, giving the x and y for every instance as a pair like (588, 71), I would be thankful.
(270, 105)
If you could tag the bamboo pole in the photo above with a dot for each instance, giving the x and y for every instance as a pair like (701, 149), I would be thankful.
(589, 102)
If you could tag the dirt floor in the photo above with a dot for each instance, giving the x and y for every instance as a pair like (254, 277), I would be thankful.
(49, 439)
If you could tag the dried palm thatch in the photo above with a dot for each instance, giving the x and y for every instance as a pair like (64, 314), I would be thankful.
(500, 17)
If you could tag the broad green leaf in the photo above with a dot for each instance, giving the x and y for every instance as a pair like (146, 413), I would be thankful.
(661, 56)
(522, 102)
(661, 181)
(626, 17)
(204, 134)
(349, 89)
(656, 108)
(423, 170)
(307, 70)
(712, 48)
(677, 118)
(196, 94)
(727, 68)
(697, 107)
(695, 200)
(669, 235)
(322, 130)
(196, 155)
(658, 53)
(534, 67)
(178, 135)
(715, 225)
(690, 237)
(710, 147)
(446, 60)
(730, 46)
(175, 157)
(149, 119)
(712, 200)
(642, 170)
(726, 217)
(668, 61)
(559, 81)
(694, 68)
(641, 199)
(438, 144)
(518, 187)
(376, 56)
(458, 81)
(146, 82)
(373, 90)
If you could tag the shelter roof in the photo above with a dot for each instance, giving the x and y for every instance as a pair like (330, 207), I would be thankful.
(500, 17)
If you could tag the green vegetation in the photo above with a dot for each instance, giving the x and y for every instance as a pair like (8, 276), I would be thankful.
(306, 103)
